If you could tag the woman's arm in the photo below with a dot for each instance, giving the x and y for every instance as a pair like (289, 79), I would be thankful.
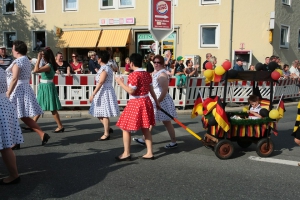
(16, 72)
(102, 78)
(154, 97)
(45, 68)
(163, 81)
(120, 81)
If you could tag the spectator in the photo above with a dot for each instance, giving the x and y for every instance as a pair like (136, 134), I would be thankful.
(38, 46)
(62, 66)
(76, 65)
(294, 70)
(150, 65)
(286, 71)
(118, 57)
(93, 64)
(265, 66)
(238, 65)
(251, 68)
(190, 71)
(179, 72)
(127, 67)
(168, 61)
(112, 63)
(213, 60)
(5, 60)
(208, 56)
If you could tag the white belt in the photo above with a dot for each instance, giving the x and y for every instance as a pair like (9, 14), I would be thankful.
(2, 95)
(137, 97)
(46, 81)
(23, 81)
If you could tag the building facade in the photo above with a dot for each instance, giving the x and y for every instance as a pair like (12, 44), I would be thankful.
(228, 29)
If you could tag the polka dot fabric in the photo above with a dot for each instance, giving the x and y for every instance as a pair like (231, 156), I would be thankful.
(105, 102)
(10, 131)
(23, 97)
(167, 104)
(138, 112)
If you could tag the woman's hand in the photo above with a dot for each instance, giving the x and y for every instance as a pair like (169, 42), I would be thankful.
(158, 105)
(119, 79)
(91, 98)
(40, 54)
(7, 95)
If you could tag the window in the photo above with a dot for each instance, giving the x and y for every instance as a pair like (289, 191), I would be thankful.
(209, 35)
(284, 36)
(126, 3)
(206, 2)
(286, 2)
(38, 40)
(116, 4)
(9, 6)
(9, 37)
(38, 5)
(70, 5)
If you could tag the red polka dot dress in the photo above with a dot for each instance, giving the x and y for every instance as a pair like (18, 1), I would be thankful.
(138, 112)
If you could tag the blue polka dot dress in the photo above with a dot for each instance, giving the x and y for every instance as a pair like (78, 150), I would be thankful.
(10, 131)
(23, 97)
(105, 102)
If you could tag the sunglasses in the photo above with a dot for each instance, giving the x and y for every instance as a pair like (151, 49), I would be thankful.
(156, 62)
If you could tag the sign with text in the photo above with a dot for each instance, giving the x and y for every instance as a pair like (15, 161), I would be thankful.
(116, 21)
(161, 18)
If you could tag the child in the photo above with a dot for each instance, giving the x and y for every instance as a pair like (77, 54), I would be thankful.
(127, 67)
(179, 72)
(255, 107)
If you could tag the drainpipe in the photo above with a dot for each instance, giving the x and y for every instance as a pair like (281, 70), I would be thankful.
(231, 31)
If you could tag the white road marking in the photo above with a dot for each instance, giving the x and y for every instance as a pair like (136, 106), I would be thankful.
(274, 160)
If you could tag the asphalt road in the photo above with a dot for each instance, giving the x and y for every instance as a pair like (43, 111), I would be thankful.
(73, 165)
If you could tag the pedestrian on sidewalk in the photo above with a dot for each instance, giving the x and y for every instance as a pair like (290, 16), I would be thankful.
(104, 100)
(20, 92)
(138, 113)
(161, 85)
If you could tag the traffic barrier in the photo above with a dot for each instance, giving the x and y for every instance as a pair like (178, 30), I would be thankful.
(75, 90)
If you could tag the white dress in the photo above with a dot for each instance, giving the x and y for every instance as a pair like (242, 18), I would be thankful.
(167, 104)
(23, 97)
(105, 102)
(10, 131)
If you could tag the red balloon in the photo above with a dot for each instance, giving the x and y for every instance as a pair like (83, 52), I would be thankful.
(226, 65)
(208, 65)
(275, 75)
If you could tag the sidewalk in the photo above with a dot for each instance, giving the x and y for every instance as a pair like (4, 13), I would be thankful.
(85, 111)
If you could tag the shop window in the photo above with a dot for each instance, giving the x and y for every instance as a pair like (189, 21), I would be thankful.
(38, 40)
(38, 5)
(70, 5)
(284, 36)
(209, 35)
(9, 38)
(286, 2)
(9, 7)
(207, 2)
(126, 3)
(116, 4)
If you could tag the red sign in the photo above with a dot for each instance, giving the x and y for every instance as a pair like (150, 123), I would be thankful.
(161, 14)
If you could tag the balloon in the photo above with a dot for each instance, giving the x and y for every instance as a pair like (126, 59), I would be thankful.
(232, 74)
(274, 114)
(245, 108)
(272, 66)
(275, 75)
(208, 73)
(226, 65)
(259, 67)
(214, 111)
(220, 70)
(212, 121)
(264, 112)
(280, 71)
(208, 65)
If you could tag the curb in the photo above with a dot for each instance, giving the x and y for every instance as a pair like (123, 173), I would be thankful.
(85, 113)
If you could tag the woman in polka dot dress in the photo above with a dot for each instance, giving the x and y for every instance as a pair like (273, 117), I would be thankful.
(138, 113)
(104, 100)
(10, 132)
(160, 85)
(20, 92)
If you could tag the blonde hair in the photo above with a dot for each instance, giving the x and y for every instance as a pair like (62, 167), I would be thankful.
(126, 59)
(90, 53)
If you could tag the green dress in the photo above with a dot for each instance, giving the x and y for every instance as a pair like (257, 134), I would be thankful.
(47, 95)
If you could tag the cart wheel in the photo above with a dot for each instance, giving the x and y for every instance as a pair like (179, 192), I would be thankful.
(263, 149)
(224, 149)
(244, 144)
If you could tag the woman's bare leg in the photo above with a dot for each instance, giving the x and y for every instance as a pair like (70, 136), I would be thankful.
(9, 160)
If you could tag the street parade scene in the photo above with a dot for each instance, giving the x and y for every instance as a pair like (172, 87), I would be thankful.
(149, 99)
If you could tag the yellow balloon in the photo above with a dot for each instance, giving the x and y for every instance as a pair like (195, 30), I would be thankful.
(214, 111)
(220, 70)
(280, 71)
(208, 73)
(274, 114)
(245, 109)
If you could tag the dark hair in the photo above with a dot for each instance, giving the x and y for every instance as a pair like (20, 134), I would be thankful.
(187, 61)
(58, 53)
(160, 58)
(273, 58)
(285, 65)
(105, 56)
(150, 55)
(49, 57)
(20, 47)
(266, 57)
(253, 98)
(136, 59)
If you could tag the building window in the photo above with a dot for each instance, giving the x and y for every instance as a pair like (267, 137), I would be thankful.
(284, 36)
(38, 5)
(207, 2)
(9, 38)
(38, 40)
(126, 3)
(9, 6)
(286, 2)
(70, 5)
(209, 35)
(116, 4)
(107, 4)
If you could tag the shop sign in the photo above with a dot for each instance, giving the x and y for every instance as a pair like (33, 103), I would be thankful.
(150, 37)
(116, 21)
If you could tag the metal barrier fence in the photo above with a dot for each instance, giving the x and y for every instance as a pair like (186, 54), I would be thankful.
(75, 90)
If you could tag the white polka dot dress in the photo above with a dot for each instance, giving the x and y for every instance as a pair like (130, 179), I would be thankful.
(10, 131)
(167, 104)
(105, 102)
(23, 97)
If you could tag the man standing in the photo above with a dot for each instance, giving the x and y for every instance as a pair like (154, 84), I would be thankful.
(238, 65)
(294, 69)
(208, 56)
(5, 60)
